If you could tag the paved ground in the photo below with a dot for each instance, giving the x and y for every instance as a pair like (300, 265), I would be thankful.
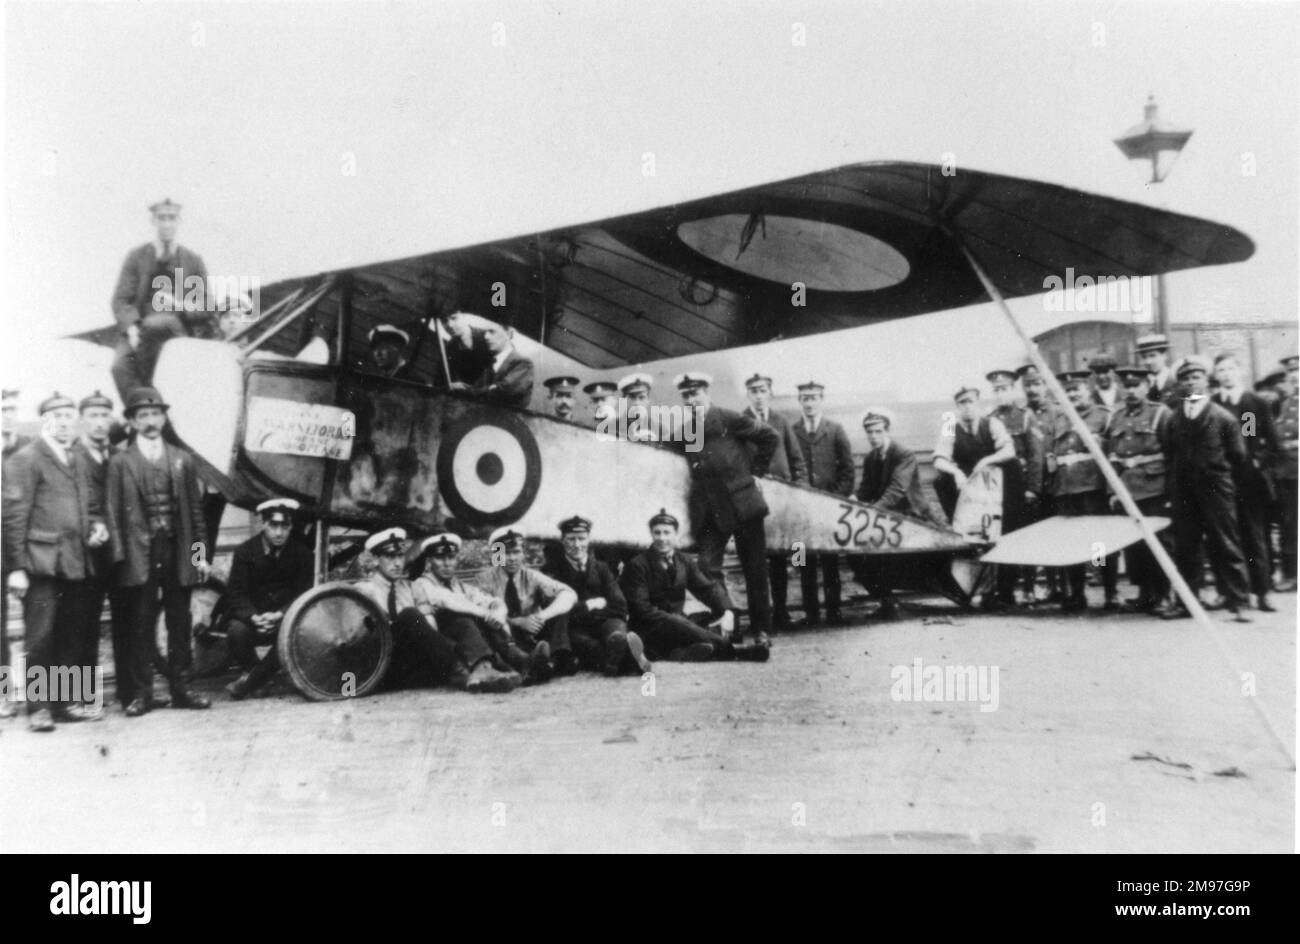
(1121, 734)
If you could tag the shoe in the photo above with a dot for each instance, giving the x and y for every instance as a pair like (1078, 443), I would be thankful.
(239, 689)
(1239, 614)
(1286, 586)
(888, 609)
(565, 663)
(158, 701)
(184, 699)
(487, 680)
(636, 649)
(1174, 611)
(75, 713)
(40, 720)
(752, 653)
(1265, 606)
(695, 652)
(516, 658)
(616, 650)
(540, 668)
(459, 677)
(1218, 603)
(137, 707)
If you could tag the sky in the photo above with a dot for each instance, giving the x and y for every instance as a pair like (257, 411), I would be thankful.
(302, 136)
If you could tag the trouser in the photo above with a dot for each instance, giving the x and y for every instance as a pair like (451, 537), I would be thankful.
(214, 509)
(1076, 577)
(4, 619)
(466, 636)
(1016, 513)
(91, 610)
(1205, 515)
(829, 564)
(1143, 569)
(779, 580)
(51, 624)
(1252, 520)
(1044, 509)
(161, 592)
(421, 655)
(1287, 493)
(674, 631)
(591, 638)
(945, 486)
(751, 548)
(134, 368)
(869, 572)
(555, 632)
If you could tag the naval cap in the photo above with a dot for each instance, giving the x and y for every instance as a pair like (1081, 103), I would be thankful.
(443, 544)
(387, 332)
(507, 537)
(574, 525)
(663, 517)
(692, 380)
(634, 381)
(56, 401)
(278, 507)
(565, 383)
(600, 388)
(390, 541)
(96, 399)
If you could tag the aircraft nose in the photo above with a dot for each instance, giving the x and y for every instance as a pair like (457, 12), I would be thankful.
(202, 381)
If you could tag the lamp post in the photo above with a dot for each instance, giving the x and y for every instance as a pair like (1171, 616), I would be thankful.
(1159, 143)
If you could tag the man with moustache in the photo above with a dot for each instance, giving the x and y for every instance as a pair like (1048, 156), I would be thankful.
(1153, 354)
(789, 466)
(559, 396)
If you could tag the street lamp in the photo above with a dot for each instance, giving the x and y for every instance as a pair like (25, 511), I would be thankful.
(1160, 143)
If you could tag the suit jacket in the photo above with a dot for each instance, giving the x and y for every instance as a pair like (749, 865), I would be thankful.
(512, 385)
(827, 454)
(654, 593)
(48, 510)
(787, 461)
(723, 468)
(893, 482)
(1261, 447)
(259, 584)
(133, 296)
(1166, 393)
(14, 444)
(128, 521)
(97, 476)
(594, 580)
(1205, 453)
(468, 364)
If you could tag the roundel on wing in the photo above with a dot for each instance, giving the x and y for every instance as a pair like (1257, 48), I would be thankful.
(489, 468)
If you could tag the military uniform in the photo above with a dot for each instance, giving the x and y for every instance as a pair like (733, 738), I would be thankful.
(1134, 444)
(1045, 416)
(1285, 475)
(1078, 488)
(1020, 479)
(656, 587)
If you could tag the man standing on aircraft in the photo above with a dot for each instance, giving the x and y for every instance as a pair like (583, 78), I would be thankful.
(149, 302)
(509, 379)
(787, 465)
(267, 573)
(725, 499)
(560, 396)
(155, 519)
(655, 583)
(829, 459)
(1079, 488)
(1153, 354)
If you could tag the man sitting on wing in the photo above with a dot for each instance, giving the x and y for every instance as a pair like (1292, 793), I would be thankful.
(537, 612)
(598, 622)
(464, 613)
(267, 573)
(655, 583)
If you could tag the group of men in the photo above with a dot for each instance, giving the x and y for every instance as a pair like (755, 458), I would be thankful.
(1221, 465)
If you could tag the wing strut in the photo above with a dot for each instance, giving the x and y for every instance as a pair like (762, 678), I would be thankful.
(1116, 483)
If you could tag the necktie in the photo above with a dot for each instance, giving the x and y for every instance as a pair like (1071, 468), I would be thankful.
(668, 563)
(513, 606)
(392, 600)
(1187, 409)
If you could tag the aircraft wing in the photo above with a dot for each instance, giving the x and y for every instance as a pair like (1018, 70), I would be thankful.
(868, 243)
(1063, 542)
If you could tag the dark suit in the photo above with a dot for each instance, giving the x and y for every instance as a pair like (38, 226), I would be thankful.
(133, 302)
(49, 508)
(590, 631)
(261, 583)
(511, 385)
(99, 584)
(467, 364)
(1206, 457)
(788, 465)
(1255, 489)
(148, 563)
(1166, 393)
(12, 443)
(656, 597)
(829, 459)
(893, 482)
(725, 500)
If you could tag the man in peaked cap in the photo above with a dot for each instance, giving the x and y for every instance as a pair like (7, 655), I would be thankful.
(1022, 479)
(147, 314)
(828, 458)
(1153, 354)
(422, 656)
(656, 582)
(560, 396)
(267, 573)
(1255, 485)
(1286, 471)
(1207, 457)
(463, 613)
(725, 499)
(390, 351)
(51, 523)
(635, 390)
(537, 612)
(968, 442)
(159, 542)
(788, 465)
(603, 394)
(598, 621)
(1105, 385)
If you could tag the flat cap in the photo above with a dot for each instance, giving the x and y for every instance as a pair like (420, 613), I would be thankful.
(1101, 363)
(876, 416)
(1190, 364)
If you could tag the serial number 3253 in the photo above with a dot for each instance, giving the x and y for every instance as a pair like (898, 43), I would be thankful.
(866, 527)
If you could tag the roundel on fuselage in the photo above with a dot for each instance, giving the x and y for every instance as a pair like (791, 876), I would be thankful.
(489, 468)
